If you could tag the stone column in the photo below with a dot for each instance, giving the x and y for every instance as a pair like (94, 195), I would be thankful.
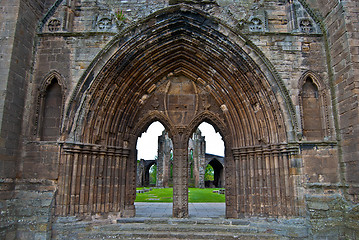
(231, 193)
(161, 164)
(180, 177)
(202, 162)
(163, 160)
(130, 156)
(167, 168)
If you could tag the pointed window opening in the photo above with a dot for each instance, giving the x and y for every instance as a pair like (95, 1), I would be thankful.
(312, 117)
(51, 119)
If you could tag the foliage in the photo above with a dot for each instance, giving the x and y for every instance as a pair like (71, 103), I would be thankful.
(194, 195)
(153, 174)
(209, 173)
(120, 15)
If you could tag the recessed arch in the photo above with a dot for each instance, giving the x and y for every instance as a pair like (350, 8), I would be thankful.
(324, 131)
(180, 67)
(46, 87)
(48, 79)
(155, 116)
(179, 51)
(218, 169)
(217, 123)
(144, 172)
(317, 80)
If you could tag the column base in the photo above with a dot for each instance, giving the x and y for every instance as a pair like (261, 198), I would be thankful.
(129, 211)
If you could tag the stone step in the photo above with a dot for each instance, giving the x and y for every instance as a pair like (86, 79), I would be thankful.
(285, 227)
(177, 235)
(170, 228)
(183, 228)
(207, 221)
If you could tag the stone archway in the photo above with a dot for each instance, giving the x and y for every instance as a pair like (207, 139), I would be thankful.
(180, 68)
(218, 173)
(144, 175)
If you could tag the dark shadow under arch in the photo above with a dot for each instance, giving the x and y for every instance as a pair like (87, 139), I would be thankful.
(218, 168)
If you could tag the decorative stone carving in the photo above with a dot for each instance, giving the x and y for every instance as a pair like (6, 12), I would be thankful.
(181, 100)
(205, 102)
(104, 23)
(224, 108)
(257, 22)
(256, 25)
(306, 26)
(54, 25)
(305, 46)
(156, 103)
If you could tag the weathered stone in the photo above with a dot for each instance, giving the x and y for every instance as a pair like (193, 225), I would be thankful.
(81, 80)
(318, 206)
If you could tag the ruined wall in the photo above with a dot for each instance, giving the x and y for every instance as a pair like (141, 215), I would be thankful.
(339, 20)
(18, 31)
(343, 45)
(164, 161)
(299, 39)
(17, 38)
(196, 159)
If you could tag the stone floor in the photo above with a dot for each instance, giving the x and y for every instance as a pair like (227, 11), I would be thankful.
(198, 210)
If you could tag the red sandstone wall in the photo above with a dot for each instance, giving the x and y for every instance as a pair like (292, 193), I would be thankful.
(341, 23)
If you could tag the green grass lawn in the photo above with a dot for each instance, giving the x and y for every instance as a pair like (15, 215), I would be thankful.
(194, 195)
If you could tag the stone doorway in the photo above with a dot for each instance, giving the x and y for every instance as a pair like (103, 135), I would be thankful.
(183, 70)
(218, 178)
(150, 180)
(182, 100)
(197, 161)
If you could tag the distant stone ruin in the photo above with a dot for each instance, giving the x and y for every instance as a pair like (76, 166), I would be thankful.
(198, 160)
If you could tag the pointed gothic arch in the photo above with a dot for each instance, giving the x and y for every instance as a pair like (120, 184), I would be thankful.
(48, 118)
(218, 172)
(253, 63)
(185, 69)
(315, 120)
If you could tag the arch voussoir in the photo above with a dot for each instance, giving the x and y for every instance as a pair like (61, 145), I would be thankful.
(182, 72)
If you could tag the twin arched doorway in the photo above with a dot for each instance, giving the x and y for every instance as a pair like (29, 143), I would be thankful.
(205, 150)
(197, 160)
(180, 68)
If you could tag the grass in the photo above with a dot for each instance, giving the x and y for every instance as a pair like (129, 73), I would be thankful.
(195, 195)
(156, 195)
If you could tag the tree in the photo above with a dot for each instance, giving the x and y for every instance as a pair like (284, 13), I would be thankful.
(209, 173)
(153, 174)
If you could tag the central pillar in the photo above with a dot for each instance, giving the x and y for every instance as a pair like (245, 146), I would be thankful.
(180, 178)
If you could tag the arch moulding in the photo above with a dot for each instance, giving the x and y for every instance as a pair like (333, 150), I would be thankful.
(179, 67)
